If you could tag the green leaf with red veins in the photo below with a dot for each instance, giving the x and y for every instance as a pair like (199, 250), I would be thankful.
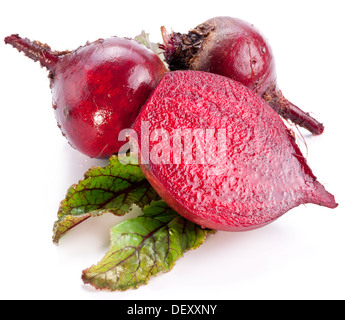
(111, 189)
(143, 247)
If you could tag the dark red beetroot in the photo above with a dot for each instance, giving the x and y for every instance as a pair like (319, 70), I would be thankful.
(260, 175)
(235, 49)
(97, 89)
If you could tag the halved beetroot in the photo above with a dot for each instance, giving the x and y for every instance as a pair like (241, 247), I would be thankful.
(220, 156)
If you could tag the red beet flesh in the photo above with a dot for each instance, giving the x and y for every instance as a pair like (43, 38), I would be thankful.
(235, 49)
(262, 173)
(97, 89)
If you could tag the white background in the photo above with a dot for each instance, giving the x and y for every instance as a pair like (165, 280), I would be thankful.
(300, 256)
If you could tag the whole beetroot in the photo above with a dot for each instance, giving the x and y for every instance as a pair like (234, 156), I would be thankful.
(234, 48)
(98, 89)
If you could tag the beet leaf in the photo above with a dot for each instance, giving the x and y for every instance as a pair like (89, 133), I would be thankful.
(111, 189)
(143, 247)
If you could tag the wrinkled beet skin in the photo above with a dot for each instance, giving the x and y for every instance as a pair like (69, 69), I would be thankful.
(97, 89)
(265, 175)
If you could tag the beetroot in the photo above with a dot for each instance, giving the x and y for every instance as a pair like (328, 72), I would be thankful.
(220, 156)
(97, 89)
(235, 49)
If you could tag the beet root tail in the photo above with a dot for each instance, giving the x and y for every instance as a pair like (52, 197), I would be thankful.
(291, 112)
(322, 197)
(35, 50)
(303, 119)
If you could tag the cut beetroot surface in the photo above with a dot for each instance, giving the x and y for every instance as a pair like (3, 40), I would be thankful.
(220, 156)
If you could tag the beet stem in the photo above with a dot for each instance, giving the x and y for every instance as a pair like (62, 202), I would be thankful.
(34, 50)
(167, 39)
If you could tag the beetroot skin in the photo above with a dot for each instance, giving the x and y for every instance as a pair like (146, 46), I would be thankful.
(97, 89)
(243, 181)
(235, 49)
